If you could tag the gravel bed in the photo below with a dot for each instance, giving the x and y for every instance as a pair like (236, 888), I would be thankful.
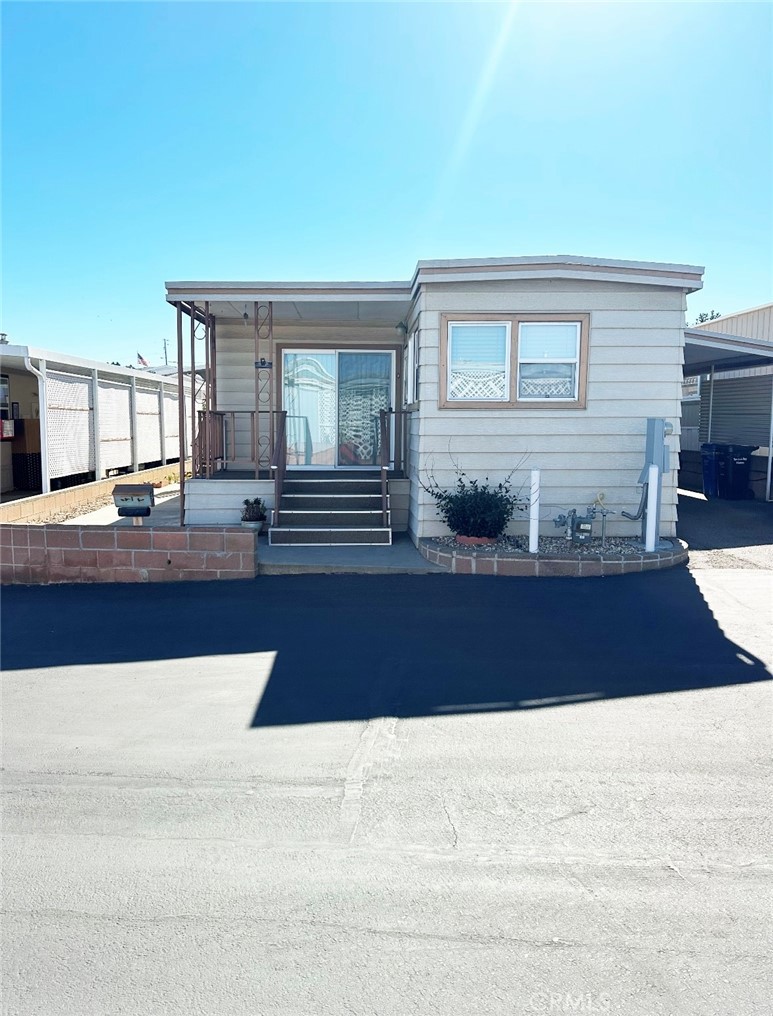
(75, 511)
(549, 546)
(65, 514)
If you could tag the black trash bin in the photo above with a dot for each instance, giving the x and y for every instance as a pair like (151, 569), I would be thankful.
(734, 467)
(710, 456)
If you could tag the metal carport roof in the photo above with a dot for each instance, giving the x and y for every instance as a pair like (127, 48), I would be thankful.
(704, 350)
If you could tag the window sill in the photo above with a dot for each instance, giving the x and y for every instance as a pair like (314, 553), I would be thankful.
(517, 406)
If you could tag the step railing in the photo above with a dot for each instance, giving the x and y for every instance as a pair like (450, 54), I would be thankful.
(279, 462)
(392, 421)
(216, 442)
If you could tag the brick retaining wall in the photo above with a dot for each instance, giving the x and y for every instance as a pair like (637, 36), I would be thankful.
(46, 554)
(467, 562)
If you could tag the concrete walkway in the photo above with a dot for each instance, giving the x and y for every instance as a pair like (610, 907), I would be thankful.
(402, 556)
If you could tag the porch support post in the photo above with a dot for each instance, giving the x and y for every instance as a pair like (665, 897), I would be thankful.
(711, 402)
(264, 398)
(257, 392)
(195, 438)
(213, 361)
(181, 410)
(207, 396)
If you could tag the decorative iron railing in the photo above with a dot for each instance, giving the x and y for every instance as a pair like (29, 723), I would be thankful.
(279, 463)
(393, 445)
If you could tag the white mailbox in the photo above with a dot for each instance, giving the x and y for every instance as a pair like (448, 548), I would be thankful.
(134, 500)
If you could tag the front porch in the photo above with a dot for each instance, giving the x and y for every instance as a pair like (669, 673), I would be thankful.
(299, 408)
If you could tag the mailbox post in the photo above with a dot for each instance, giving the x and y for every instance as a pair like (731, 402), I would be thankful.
(134, 500)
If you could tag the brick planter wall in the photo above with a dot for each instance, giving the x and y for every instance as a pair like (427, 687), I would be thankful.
(467, 562)
(45, 554)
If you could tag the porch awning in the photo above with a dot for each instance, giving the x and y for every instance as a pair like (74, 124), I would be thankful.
(704, 350)
(373, 303)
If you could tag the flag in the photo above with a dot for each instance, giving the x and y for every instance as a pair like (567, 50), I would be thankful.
(142, 361)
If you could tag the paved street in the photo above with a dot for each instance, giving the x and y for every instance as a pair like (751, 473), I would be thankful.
(317, 795)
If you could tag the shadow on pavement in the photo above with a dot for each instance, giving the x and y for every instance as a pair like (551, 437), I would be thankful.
(721, 525)
(356, 647)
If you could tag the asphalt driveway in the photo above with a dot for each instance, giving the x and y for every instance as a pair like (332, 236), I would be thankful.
(388, 795)
(726, 534)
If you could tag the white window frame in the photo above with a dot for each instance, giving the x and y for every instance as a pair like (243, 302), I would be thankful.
(410, 368)
(549, 359)
(506, 398)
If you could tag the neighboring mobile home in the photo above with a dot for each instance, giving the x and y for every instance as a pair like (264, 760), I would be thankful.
(494, 365)
(67, 420)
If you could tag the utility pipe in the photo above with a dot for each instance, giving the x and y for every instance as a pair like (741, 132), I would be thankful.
(653, 486)
(181, 411)
(534, 513)
(40, 374)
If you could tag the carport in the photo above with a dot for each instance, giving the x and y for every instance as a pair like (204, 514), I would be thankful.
(708, 352)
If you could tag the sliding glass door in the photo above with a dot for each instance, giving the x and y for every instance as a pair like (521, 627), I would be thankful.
(333, 400)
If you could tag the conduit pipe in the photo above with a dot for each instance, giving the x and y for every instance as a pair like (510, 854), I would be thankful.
(534, 513)
(652, 509)
(45, 479)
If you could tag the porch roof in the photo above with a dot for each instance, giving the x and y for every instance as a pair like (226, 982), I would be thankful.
(373, 303)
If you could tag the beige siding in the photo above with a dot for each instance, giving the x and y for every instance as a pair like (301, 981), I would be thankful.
(219, 502)
(634, 372)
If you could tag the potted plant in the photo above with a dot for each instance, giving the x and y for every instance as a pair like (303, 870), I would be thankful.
(253, 513)
(477, 513)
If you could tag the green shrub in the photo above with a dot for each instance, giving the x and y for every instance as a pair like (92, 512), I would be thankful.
(472, 508)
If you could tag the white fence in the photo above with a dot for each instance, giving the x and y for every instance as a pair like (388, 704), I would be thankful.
(96, 424)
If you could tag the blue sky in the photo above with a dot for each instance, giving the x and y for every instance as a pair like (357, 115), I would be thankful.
(152, 141)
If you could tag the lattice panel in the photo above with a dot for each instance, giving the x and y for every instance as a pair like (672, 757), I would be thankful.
(70, 425)
(171, 425)
(148, 425)
(547, 388)
(115, 428)
(477, 383)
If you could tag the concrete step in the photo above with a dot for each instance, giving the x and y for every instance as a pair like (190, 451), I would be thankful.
(332, 502)
(331, 519)
(334, 474)
(319, 536)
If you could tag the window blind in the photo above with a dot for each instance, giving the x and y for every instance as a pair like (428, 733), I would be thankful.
(549, 341)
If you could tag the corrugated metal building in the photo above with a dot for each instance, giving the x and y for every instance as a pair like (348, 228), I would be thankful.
(736, 407)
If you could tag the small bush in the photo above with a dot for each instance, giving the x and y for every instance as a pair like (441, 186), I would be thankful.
(473, 508)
